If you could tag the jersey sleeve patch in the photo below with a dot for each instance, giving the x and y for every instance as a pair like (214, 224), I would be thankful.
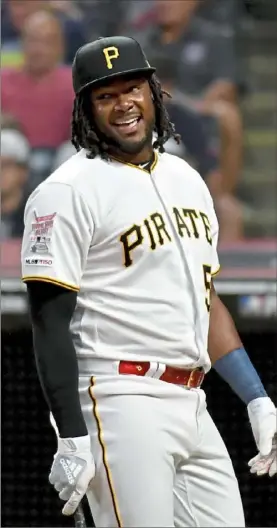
(57, 236)
(40, 239)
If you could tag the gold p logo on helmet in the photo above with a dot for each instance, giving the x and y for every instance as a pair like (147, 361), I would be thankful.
(110, 53)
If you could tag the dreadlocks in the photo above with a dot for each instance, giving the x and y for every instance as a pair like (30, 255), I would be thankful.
(84, 134)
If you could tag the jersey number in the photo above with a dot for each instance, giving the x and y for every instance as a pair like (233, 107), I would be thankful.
(207, 271)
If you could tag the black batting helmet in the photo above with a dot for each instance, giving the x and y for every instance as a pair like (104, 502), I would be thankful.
(107, 58)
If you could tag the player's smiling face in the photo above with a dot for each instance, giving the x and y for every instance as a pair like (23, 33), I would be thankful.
(124, 114)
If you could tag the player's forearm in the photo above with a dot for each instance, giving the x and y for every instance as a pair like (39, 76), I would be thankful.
(55, 357)
(223, 335)
(228, 356)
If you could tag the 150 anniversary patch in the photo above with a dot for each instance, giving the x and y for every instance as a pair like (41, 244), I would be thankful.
(41, 234)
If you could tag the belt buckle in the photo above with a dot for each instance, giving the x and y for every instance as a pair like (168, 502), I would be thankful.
(202, 377)
(191, 377)
(190, 380)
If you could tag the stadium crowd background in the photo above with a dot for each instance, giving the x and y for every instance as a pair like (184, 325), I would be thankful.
(214, 56)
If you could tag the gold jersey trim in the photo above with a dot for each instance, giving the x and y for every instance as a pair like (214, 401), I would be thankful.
(216, 271)
(50, 280)
(156, 157)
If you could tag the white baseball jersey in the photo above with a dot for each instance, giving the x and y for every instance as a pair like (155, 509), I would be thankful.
(140, 250)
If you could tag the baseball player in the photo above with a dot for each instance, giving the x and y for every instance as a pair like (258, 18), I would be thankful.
(126, 320)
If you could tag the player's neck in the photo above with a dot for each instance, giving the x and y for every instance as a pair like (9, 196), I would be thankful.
(143, 157)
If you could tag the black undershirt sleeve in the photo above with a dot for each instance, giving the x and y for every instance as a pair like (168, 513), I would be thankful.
(51, 309)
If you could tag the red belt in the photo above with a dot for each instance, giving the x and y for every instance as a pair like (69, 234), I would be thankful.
(189, 378)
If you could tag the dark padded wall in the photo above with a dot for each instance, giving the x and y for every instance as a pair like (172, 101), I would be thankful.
(28, 443)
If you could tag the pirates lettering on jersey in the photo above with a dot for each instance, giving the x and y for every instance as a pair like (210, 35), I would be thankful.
(160, 227)
(155, 231)
(180, 223)
(188, 223)
(207, 227)
(130, 240)
(192, 215)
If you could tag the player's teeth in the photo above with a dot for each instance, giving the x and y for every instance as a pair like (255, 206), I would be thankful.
(127, 122)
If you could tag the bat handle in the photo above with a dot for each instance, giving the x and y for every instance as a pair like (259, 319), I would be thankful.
(79, 517)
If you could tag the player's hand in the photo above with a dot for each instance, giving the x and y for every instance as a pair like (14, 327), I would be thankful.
(72, 470)
(265, 464)
(263, 419)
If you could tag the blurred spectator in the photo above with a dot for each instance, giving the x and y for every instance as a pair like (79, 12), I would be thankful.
(139, 14)
(40, 94)
(206, 58)
(15, 153)
(224, 12)
(189, 123)
(75, 27)
(66, 7)
(63, 154)
(206, 72)
(198, 149)
(16, 12)
(104, 16)
(9, 121)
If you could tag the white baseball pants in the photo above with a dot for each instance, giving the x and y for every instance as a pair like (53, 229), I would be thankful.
(160, 460)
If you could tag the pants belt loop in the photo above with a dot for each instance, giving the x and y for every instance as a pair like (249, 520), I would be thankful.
(152, 369)
(160, 370)
(115, 366)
